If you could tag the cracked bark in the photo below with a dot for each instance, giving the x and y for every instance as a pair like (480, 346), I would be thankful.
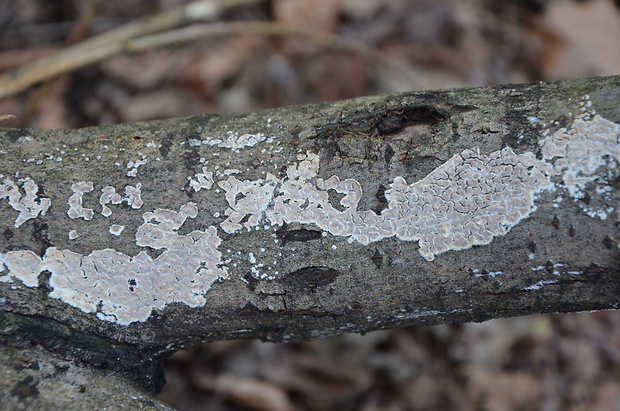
(324, 286)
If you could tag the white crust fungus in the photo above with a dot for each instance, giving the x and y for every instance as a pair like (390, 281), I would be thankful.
(469, 200)
(201, 181)
(246, 199)
(235, 141)
(125, 289)
(576, 153)
(132, 196)
(110, 196)
(75, 201)
(133, 167)
(116, 229)
(29, 205)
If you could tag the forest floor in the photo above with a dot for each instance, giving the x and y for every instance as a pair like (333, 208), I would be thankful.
(360, 47)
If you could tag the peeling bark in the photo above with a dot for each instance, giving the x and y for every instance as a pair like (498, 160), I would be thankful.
(223, 227)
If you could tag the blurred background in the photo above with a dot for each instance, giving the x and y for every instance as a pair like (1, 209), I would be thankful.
(305, 51)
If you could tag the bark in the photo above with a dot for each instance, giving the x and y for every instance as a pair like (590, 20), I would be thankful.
(293, 278)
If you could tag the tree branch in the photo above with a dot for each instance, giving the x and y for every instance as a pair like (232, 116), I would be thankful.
(303, 222)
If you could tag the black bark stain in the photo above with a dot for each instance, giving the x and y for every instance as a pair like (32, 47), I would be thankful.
(616, 183)
(555, 222)
(15, 134)
(40, 235)
(40, 194)
(377, 258)
(44, 282)
(393, 121)
(302, 235)
(608, 242)
(165, 145)
(549, 267)
(389, 153)
(191, 159)
(380, 195)
(142, 365)
(387, 122)
(572, 231)
(250, 281)
(309, 278)
(25, 388)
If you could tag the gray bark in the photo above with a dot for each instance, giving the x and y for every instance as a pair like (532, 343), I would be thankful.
(294, 280)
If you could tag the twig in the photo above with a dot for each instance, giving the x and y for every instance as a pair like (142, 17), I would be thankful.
(78, 32)
(264, 28)
(111, 43)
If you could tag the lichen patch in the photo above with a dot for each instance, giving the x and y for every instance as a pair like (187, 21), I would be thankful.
(29, 205)
(76, 210)
(116, 229)
(201, 181)
(133, 167)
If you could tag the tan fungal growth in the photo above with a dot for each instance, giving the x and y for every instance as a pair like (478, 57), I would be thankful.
(75, 201)
(29, 205)
(125, 289)
(73, 235)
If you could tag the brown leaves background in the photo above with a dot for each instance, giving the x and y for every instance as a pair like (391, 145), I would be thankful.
(350, 48)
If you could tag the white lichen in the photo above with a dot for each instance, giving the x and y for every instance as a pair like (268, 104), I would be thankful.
(108, 196)
(29, 205)
(201, 181)
(75, 201)
(235, 142)
(133, 167)
(116, 229)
